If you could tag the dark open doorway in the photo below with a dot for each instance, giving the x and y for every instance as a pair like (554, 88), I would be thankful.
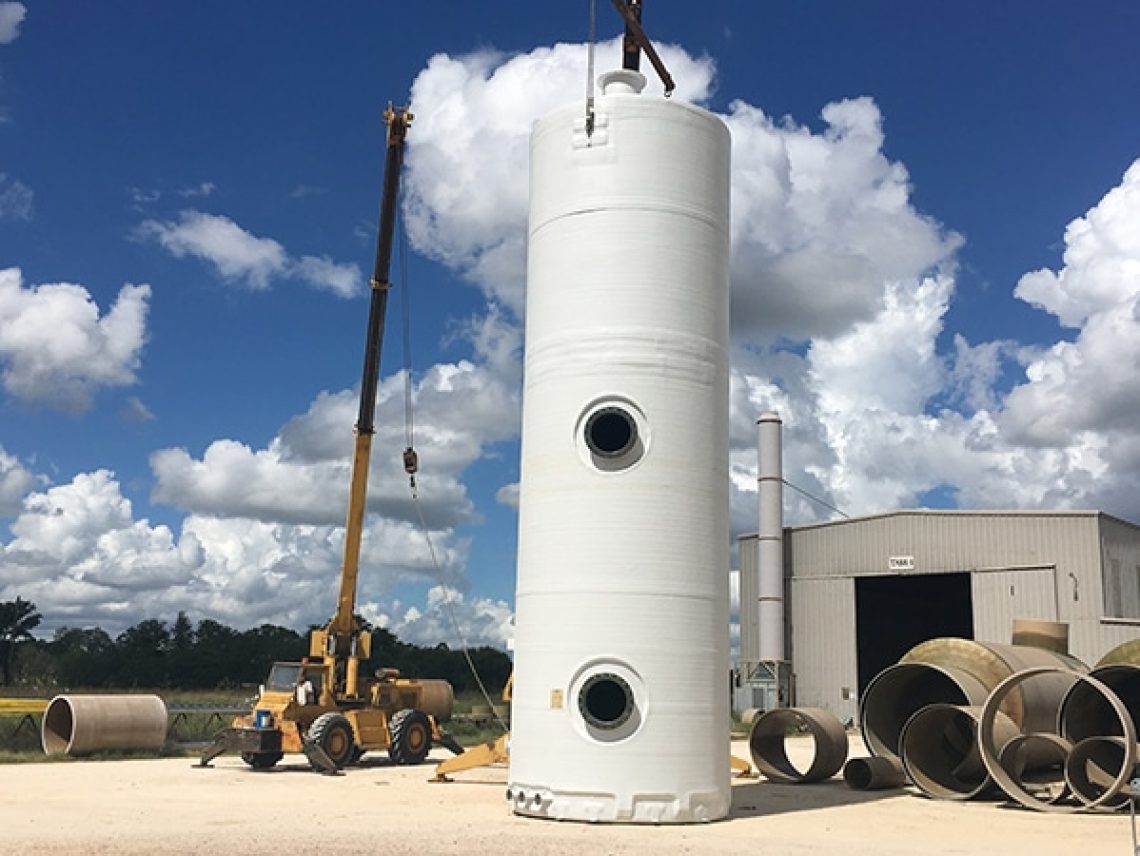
(893, 614)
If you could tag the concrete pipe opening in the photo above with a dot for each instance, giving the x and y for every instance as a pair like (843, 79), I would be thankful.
(990, 750)
(1036, 762)
(900, 691)
(939, 747)
(81, 724)
(769, 751)
(873, 774)
(1085, 712)
(1097, 768)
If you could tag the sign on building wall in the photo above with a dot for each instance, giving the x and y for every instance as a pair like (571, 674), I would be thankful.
(900, 563)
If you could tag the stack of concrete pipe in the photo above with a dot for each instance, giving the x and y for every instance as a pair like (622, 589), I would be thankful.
(964, 719)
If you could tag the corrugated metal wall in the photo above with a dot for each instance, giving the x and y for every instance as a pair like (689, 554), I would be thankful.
(944, 541)
(1098, 627)
(749, 594)
(823, 662)
(1001, 596)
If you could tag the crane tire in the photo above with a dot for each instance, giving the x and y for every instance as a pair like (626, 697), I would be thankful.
(261, 760)
(333, 733)
(410, 733)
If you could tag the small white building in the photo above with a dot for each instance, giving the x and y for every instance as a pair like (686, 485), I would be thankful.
(860, 592)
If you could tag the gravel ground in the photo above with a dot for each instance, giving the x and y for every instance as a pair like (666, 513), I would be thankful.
(167, 806)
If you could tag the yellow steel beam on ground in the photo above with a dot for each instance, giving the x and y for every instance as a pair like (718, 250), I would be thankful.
(22, 706)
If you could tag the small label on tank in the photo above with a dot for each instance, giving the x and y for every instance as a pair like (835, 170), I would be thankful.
(556, 699)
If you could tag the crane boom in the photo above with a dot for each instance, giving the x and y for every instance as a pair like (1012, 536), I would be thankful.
(342, 636)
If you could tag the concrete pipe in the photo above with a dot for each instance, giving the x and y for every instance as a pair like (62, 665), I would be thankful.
(1050, 635)
(987, 742)
(81, 724)
(1097, 768)
(769, 754)
(1126, 652)
(1033, 706)
(1036, 762)
(873, 774)
(1088, 713)
(749, 715)
(900, 691)
(939, 747)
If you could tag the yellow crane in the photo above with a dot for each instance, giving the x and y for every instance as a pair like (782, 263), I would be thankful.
(321, 705)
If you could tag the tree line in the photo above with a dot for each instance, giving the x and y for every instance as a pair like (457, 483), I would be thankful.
(209, 655)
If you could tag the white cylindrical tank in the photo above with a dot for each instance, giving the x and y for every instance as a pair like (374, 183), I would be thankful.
(770, 542)
(620, 705)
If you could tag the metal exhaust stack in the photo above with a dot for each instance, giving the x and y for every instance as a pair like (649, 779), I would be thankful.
(81, 724)
(770, 547)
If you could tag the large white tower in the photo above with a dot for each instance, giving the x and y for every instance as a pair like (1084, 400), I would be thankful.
(620, 706)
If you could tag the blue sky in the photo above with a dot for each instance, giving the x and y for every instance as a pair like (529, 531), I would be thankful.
(936, 270)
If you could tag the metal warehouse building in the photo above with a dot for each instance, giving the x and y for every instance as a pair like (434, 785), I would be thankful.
(860, 592)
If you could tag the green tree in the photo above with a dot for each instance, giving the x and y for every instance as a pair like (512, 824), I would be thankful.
(215, 648)
(18, 618)
(142, 651)
(264, 645)
(181, 633)
(84, 656)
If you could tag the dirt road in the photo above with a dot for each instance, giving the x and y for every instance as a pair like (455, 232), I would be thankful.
(168, 807)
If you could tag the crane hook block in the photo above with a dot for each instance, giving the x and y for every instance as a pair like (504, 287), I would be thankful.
(411, 461)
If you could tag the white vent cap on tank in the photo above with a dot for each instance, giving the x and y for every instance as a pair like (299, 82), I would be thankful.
(622, 81)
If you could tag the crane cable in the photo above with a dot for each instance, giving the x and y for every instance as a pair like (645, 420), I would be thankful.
(411, 467)
(411, 459)
(825, 504)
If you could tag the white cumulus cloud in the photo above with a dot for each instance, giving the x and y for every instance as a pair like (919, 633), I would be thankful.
(55, 348)
(11, 16)
(16, 480)
(236, 253)
(1090, 384)
(240, 256)
(467, 183)
(16, 199)
(448, 616)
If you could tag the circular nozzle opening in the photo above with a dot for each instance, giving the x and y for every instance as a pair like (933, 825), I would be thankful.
(606, 701)
(610, 432)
